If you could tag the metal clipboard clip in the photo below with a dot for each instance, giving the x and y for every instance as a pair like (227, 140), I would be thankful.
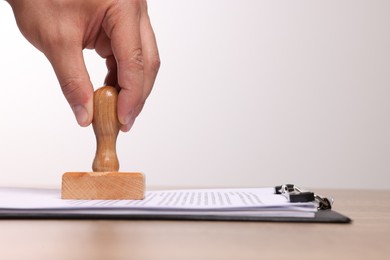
(295, 194)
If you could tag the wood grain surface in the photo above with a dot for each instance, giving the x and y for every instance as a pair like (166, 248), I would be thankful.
(103, 185)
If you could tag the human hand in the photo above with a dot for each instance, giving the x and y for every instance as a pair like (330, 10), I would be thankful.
(119, 31)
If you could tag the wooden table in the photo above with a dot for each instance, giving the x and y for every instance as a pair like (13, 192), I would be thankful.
(368, 237)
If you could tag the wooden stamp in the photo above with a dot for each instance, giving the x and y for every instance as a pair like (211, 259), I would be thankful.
(105, 182)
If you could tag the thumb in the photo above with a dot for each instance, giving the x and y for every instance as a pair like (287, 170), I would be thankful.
(72, 74)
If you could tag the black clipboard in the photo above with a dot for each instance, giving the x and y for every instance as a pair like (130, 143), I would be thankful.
(322, 216)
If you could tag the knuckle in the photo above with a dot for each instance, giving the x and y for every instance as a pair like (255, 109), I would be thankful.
(70, 85)
(137, 58)
(73, 91)
(134, 61)
(155, 64)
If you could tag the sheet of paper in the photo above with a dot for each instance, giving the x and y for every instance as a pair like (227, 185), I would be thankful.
(249, 201)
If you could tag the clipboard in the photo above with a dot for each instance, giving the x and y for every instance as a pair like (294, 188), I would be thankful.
(324, 214)
(328, 216)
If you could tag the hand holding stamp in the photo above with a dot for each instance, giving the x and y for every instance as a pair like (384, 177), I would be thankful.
(105, 182)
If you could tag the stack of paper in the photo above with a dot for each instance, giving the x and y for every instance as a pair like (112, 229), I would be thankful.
(201, 203)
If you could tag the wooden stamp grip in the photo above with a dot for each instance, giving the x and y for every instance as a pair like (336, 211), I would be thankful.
(106, 127)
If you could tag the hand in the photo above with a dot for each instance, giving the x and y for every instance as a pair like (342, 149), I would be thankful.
(119, 31)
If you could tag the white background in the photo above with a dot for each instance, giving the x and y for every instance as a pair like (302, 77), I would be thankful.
(250, 93)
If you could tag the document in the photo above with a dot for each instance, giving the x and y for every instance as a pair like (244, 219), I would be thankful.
(244, 202)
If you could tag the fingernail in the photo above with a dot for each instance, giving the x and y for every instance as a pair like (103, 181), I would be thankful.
(127, 118)
(81, 114)
(127, 127)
